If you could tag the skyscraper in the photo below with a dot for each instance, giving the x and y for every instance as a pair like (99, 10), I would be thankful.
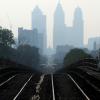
(27, 37)
(39, 23)
(59, 26)
(30, 37)
(65, 35)
(94, 43)
(78, 27)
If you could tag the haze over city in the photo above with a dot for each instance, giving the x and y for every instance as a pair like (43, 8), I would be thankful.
(49, 50)
(18, 14)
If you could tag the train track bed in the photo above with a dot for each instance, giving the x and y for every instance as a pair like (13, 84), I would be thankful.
(88, 87)
(29, 90)
(11, 88)
(65, 89)
(46, 89)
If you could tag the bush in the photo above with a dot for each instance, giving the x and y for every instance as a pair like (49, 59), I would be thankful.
(74, 56)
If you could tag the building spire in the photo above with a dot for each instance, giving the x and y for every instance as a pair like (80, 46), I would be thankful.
(59, 2)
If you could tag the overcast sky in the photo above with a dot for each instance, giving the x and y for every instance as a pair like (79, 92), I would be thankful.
(18, 13)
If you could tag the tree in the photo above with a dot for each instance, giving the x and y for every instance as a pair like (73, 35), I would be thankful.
(28, 55)
(75, 55)
(6, 37)
(6, 41)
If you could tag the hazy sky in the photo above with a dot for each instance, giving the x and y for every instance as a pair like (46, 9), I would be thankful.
(18, 13)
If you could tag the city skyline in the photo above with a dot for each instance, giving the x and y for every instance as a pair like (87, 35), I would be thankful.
(62, 34)
(68, 35)
(39, 22)
(36, 36)
(20, 15)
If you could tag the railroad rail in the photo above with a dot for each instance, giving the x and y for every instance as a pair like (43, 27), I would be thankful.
(42, 87)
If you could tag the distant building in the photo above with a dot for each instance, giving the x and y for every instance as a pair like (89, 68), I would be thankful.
(94, 43)
(61, 52)
(64, 35)
(50, 51)
(39, 23)
(30, 37)
(95, 46)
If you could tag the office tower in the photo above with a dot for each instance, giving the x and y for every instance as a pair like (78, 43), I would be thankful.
(68, 35)
(39, 23)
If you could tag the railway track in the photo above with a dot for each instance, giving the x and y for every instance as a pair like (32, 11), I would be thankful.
(84, 94)
(41, 87)
(66, 89)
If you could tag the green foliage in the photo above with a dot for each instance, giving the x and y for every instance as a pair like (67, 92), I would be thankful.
(6, 40)
(28, 55)
(24, 54)
(75, 55)
(5, 52)
(6, 37)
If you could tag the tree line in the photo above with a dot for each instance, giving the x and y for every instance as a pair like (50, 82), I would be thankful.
(23, 54)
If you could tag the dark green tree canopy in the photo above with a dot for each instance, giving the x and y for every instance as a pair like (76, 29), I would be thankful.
(75, 55)
(6, 37)
(28, 55)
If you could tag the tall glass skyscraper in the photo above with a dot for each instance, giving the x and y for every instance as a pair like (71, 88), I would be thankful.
(65, 35)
